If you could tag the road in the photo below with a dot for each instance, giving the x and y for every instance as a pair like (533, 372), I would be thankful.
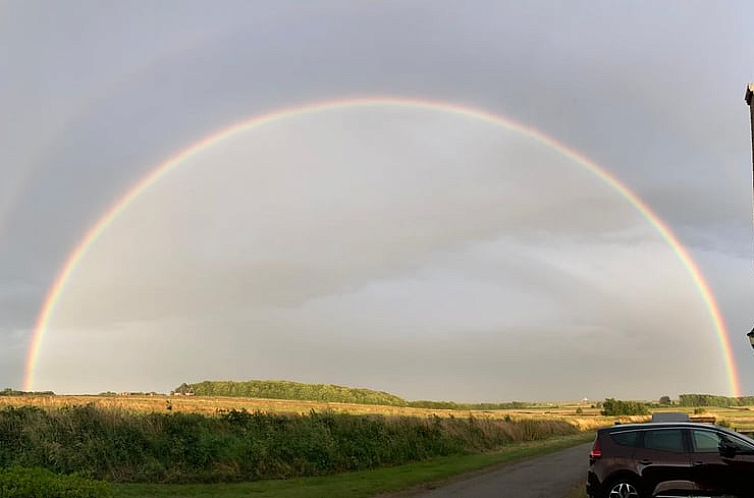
(549, 476)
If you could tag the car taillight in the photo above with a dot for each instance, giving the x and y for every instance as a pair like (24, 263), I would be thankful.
(596, 450)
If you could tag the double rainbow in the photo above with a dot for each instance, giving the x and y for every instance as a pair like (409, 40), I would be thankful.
(91, 236)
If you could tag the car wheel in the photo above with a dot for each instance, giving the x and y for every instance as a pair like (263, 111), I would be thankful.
(622, 488)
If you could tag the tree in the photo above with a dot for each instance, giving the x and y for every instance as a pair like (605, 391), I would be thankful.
(616, 407)
(664, 400)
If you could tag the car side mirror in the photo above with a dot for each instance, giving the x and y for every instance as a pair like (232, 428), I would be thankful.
(727, 450)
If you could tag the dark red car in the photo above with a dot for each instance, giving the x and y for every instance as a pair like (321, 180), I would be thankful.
(662, 460)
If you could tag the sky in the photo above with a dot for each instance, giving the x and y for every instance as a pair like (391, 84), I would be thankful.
(403, 248)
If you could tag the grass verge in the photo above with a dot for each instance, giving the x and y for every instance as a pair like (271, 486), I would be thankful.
(360, 484)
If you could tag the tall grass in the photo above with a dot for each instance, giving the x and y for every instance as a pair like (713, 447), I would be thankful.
(124, 446)
(40, 483)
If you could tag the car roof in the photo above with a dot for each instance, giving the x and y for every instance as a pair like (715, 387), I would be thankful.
(657, 425)
(673, 425)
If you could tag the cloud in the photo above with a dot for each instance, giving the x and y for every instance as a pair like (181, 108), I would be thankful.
(95, 104)
(374, 246)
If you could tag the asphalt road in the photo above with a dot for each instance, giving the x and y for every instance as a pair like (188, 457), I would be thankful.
(549, 476)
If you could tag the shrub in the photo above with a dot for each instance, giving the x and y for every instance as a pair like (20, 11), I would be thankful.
(18, 482)
(237, 445)
(615, 407)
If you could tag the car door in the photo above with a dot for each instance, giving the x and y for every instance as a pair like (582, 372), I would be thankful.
(722, 473)
(740, 464)
(664, 463)
(712, 473)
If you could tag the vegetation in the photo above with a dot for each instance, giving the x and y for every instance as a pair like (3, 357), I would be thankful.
(19, 482)
(281, 389)
(278, 389)
(451, 405)
(615, 407)
(237, 445)
(591, 419)
(12, 392)
(360, 484)
(712, 400)
(665, 400)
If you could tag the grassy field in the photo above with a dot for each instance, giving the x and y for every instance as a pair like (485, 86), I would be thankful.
(586, 419)
(384, 477)
(584, 416)
(231, 446)
(360, 484)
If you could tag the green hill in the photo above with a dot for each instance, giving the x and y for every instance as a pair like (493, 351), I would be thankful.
(283, 389)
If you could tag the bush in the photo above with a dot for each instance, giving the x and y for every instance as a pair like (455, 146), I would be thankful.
(20, 482)
(237, 445)
(616, 407)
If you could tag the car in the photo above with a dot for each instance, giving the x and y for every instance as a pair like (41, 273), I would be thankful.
(663, 460)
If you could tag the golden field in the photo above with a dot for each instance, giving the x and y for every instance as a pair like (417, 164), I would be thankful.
(587, 418)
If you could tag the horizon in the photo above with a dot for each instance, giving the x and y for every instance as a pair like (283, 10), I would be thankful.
(673, 397)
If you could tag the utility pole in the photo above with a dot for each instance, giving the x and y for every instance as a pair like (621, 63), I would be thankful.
(750, 101)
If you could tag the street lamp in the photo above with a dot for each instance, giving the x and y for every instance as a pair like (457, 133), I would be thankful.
(749, 98)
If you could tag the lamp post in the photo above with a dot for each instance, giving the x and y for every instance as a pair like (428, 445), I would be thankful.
(750, 102)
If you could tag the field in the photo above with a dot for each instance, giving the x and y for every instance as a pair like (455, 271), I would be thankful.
(231, 446)
(584, 416)
(586, 419)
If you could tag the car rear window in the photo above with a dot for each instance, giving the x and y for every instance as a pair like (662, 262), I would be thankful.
(626, 438)
(664, 440)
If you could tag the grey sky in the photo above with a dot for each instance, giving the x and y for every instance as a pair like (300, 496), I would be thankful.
(100, 93)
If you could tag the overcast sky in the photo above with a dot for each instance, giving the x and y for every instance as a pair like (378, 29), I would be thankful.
(411, 250)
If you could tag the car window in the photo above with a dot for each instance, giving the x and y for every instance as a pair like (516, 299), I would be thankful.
(664, 440)
(738, 443)
(706, 441)
(626, 438)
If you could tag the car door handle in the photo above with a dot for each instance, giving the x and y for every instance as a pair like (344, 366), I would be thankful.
(645, 462)
(696, 464)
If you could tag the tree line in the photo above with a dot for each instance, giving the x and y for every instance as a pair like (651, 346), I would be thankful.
(713, 400)
(283, 389)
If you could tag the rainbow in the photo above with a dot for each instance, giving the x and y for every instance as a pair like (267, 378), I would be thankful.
(120, 205)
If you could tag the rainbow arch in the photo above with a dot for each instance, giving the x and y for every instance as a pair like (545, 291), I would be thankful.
(121, 204)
